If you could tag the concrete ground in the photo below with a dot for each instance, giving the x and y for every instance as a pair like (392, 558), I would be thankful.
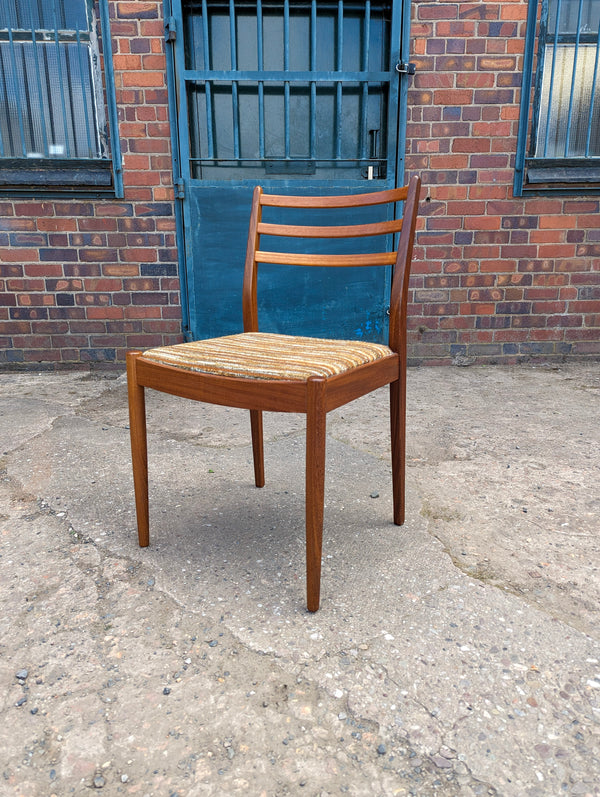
(457, 655)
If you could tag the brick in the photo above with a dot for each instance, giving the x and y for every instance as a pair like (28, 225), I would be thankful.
(115, 209)
(121, 270)
(97, 224)
(58, 255)
(492, 322)
(146, 79)
(452, 96)
(527, 321)
(120, 28)
(81, 270)
(86, 299)
(149, 145)
(12, 270)
(150, 298)
(127, 62)
(98, 255)
(163, 270)
(116, 240)
(104, 341)
(495, 97)
(41, 355)
(35, 299)
(474, 80)
(66, 312)
(28, 313)
(486, 295)
(97, 355)
(154, 61)
(69, 341)
(26, 239)
(123, 327)
(497, 64)
(142, 312)
(156, 209)
(18, 255)
(133, 130)
(88, 239)
(139, 194)
(106, 312)
(50, 327)
(152, 28)
(63, 284)
(457, 46)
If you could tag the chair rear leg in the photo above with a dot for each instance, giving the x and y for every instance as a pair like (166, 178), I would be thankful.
(256, 424)
(139, 449)
(315, 488)
(398, 431)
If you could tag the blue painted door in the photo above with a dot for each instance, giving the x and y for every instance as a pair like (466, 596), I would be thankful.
(299, 97)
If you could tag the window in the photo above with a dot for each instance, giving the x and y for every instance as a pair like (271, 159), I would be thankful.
(53, 125)
(559, 134)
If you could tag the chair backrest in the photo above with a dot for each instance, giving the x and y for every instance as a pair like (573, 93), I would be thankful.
(399, 258)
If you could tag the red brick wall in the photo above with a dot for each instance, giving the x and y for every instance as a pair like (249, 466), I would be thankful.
(83, 280)
(496, 278)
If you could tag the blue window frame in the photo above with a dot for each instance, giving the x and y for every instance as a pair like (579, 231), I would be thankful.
(558, 148)
(57, 110)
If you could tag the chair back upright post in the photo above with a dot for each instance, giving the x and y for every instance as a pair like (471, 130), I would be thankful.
(401, 271)
(249, 300)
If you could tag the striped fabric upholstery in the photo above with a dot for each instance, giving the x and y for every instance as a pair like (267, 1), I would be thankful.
(263, 355)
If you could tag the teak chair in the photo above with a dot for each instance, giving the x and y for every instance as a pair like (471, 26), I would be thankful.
(283, 373)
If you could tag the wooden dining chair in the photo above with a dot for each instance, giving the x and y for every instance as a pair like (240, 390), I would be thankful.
(262, 371)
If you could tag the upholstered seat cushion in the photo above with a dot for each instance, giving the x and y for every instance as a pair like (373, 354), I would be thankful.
(264, 355)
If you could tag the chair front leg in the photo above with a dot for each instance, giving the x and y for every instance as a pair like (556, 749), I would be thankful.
(139, 448)
(256, 425)
(315, 487)
(398, 430)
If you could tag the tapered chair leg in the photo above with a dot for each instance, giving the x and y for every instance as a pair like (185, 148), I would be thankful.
(315, 488)
(139, 448)
(256, 425)
(398, 430)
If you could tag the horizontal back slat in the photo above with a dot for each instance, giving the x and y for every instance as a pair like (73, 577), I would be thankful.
(348, 201)
(292, 259)
(347, 231)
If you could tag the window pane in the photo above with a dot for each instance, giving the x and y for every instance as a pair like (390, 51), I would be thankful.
(568, 85)
(47, 91)
(46, 15)
(584, 12)
(47, 86)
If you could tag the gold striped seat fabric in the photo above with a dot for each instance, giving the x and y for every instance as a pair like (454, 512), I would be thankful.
(264, 355)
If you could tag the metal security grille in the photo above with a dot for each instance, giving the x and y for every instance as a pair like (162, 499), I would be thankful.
(287, 88)
(559, 133)
(49, 81)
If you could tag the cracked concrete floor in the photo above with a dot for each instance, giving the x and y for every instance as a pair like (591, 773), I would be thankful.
(456, 655)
